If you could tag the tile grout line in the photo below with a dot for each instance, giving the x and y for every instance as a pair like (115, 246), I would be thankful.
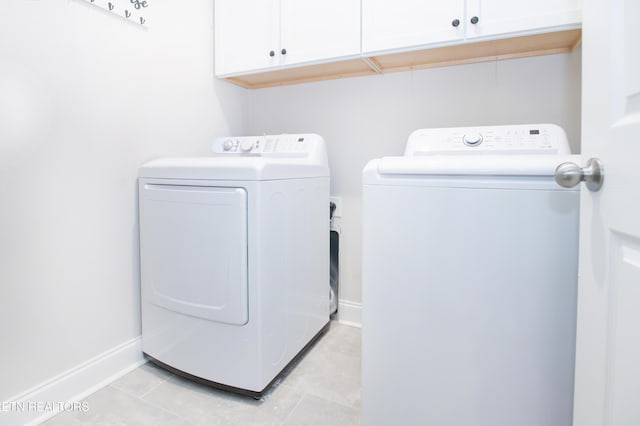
(164, 380)
(284, 420)
(140, 399)
(141, 396)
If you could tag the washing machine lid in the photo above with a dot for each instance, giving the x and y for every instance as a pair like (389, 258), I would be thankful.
(506, 172)
(490, 165)
(248, 158)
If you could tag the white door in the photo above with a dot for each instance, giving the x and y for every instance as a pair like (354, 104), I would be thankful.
(607, 390)
(319, 30)
(247, 35)
(388, 24)
(511, 16)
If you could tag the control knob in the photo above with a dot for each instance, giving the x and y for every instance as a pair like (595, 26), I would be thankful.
(247, 145)
(472, 139)
(227, 145)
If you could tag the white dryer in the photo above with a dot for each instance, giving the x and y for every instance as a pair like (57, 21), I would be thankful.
(235, 258)
(469, 280)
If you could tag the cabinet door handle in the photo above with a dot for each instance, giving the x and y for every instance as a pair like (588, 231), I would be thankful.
(455, 22)
(474, 20)
(272, 53)
(283, 51)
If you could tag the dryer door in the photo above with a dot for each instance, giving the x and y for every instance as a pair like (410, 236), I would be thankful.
(193, 245)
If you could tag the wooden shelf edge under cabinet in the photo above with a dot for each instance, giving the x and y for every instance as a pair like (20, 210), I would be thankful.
(479, 51)
(304, 74)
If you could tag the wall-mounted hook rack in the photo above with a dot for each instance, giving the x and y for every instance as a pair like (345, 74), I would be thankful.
(123, 8)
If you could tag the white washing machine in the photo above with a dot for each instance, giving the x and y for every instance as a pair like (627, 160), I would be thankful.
(235, 258)
(469, 280)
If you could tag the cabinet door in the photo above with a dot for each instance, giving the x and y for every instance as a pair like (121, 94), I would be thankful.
(246, 31)
(314, 30)
(496, 17)
(390, 24)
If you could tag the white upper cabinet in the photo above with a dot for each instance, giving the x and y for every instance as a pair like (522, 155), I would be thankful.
(246, 31)
(257, 35)
(403, 24)
(262, 43)
(392, 24)
(502, 17)
(314, 30)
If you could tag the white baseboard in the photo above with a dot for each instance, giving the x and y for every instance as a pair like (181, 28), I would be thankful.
(350, 313)
(57, 394)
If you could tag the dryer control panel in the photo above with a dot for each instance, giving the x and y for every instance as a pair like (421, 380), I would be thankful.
(300, 145)
(537, 139)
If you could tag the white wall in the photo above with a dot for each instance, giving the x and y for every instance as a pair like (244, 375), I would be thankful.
(85, 98)
(369, 117)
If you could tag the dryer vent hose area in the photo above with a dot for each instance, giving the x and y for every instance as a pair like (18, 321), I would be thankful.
(334, 249)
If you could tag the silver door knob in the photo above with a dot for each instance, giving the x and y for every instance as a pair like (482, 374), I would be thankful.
(569, 175)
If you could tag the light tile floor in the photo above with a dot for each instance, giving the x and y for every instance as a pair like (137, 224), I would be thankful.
(323, 388)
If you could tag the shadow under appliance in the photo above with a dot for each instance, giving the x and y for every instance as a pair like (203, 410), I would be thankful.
(234, 258)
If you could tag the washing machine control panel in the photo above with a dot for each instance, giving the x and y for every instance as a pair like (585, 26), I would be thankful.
(539, 139)
(268, 145)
